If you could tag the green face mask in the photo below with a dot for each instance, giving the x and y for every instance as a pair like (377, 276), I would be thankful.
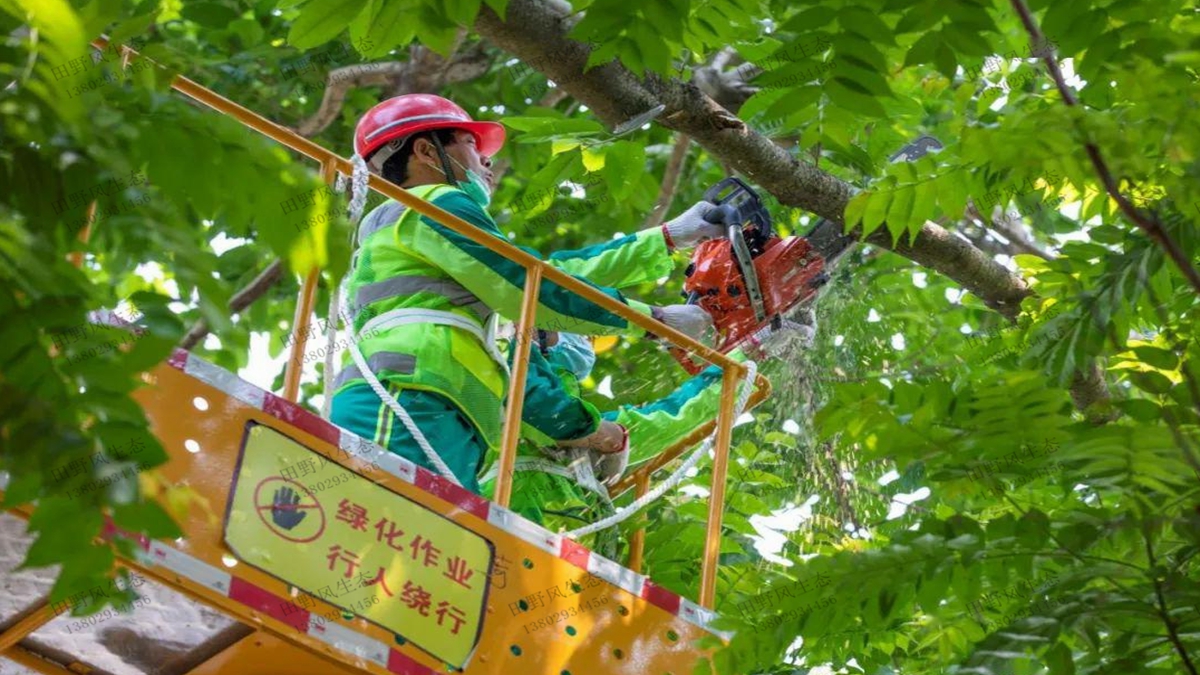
(475, 186)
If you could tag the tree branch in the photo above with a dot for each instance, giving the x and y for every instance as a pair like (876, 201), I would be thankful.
(241, 300)
(339, 82)
(1009, 225)
(666, 193)
(1163, 611)
(535, 33)
(1150, 223)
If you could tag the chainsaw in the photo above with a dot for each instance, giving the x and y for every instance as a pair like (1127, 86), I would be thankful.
(754, 277)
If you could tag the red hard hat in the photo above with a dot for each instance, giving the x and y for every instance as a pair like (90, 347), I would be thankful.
(405, 115)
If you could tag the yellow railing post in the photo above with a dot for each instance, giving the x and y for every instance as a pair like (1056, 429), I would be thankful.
(716, 502)
(516, 386)
(303, 317)
(637, 543)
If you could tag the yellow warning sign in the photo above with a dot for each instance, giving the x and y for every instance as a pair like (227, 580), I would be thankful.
(359, 546)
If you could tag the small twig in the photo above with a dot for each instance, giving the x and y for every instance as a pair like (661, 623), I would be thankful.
(1172, 632)
(1151, 225)
(240, 300)
(1011, 228)
(666, 193)
(840, 490)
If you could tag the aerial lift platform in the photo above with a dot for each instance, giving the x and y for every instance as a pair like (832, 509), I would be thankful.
(323, 553)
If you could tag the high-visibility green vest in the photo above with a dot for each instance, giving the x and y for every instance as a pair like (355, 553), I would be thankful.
(418, 327)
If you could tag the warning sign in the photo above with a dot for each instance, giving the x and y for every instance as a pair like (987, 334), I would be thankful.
(358, 545)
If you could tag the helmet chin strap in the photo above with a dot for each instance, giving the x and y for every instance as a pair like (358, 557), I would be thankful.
(437, 143)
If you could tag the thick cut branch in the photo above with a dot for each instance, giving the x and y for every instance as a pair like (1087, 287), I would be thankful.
(939, 249)
(535, 33)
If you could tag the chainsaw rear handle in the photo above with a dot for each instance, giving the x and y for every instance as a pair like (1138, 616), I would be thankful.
(738, 204)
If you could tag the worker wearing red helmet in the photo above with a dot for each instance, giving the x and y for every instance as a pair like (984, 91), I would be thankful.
(424, 300)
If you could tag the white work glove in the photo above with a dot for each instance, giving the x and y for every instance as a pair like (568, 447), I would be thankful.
(607, 449)
(792, 335)
(609, 437)
(690, 228)
(691, 320)
(610, 466)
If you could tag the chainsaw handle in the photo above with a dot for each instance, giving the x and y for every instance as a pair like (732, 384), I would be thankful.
(722, 214)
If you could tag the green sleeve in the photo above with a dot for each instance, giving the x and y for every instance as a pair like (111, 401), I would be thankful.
(654, 427)
(499, 282)
(631, 260)
(552, 412)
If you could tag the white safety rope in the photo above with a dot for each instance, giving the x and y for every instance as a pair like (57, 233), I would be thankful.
(585, 476)
(392, 403)
(678, 476)
(358, 202)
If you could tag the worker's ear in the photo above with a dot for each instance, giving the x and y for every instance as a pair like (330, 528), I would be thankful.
(424, 150)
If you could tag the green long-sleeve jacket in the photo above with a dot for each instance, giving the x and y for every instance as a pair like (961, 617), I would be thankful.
(422, 296)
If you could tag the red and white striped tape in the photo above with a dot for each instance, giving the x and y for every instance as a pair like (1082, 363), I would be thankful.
(258, 599)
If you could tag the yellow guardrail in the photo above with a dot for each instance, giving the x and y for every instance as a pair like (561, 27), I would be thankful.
(536, 271)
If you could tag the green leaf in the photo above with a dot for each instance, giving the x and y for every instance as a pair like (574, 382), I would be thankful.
(923, 50)
(624, 162)
(1033, 529)
(855, 209)
(461, 12)
(548, 126)
(500, 6)
(900, 212)
(1163, 359)
(381, 27)
(944, 59)
(146, 518)
(876, 211)
(1059, 660)
(793, 101)
(867, 24)
(208, 14)
(809, 19)
(851, 96)
(1151, 382)
(1141, 409)
(920, 18)
(924, 203)
(62, 523)
(322, 20)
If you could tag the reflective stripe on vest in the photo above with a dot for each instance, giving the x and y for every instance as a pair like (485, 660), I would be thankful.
(411, 285)
(405, 364)
(402, 316)
(384, 216)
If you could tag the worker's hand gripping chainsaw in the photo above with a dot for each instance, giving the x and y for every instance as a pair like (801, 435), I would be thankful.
(754, 278)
